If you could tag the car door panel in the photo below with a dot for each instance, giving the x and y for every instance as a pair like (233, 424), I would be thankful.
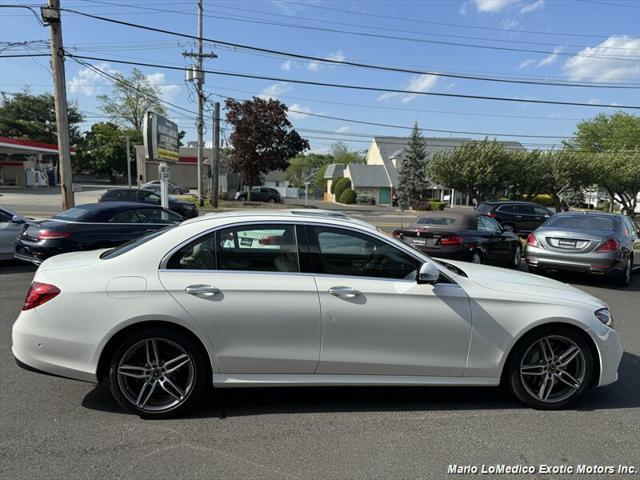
(393, 328)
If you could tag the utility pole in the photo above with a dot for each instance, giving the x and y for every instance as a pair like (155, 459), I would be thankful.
(128, 161)
(216, 157)
(51, 15)
(199, 78)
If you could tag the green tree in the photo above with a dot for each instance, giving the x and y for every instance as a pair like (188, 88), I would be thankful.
(618, 131)
(33, 117)
(308, 168)
(617, 172)
(341, 154)
(131, 98)
(102, 149)
(523, 177)
(263, 138)
(562, 172)
(412, 176)
(479, 168)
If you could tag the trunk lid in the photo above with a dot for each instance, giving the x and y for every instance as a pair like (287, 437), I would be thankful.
(72, 260)
(571, 240)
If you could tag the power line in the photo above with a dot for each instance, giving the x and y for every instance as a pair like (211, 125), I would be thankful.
(385, 37)
(146, 7)
(609, 4)
(361, 87)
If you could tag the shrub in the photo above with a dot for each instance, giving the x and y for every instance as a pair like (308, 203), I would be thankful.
(438, 205)
(546, 200)
(366, 199)
(348, 196)
(340, 186)
(421, 205)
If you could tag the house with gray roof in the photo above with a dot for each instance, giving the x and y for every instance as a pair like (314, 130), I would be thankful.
(379, 176)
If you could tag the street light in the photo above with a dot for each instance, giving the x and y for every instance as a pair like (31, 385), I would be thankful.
(126, 137)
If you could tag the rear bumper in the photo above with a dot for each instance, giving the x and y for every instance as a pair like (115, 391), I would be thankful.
(28, 258)
(596, 263)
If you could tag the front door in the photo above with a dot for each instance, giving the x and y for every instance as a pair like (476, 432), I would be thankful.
(385, 196)
(244, 287)
(376, 319)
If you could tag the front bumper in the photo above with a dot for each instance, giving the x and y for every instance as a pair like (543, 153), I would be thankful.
(610, 352)
(52, 348)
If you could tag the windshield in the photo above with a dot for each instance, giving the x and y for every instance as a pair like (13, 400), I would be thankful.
(436, 221)
(581, 222)
(135, 243)
(484, 208)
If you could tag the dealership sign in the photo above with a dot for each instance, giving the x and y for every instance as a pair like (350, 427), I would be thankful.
(160, 138)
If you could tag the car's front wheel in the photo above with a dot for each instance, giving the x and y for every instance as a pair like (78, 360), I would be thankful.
(157, 373)
(516, 258)
(550, 368)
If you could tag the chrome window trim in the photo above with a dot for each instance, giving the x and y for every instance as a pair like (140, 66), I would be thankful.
(354, 228)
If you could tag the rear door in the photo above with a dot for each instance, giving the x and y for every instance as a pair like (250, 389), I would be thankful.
(9, 232)
(540, 216)
(243, 285)
(526, 218)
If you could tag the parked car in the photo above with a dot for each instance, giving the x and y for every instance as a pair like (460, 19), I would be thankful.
(90, 227)
(10, 227)
(186, 209)
(260, 194)
(518, 217)
(325, 301)
(597, 243)
(463, 235)
(174, 188)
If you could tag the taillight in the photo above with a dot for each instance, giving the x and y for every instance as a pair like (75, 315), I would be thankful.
(38, 294)
(491, 214)
(610, 245)
(532, 240)
(396, 233)
(51, 234)
(451, 241)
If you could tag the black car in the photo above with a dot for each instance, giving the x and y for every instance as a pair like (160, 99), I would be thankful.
(520, 217)
(463, 235)
(261, 194)
(90, 227)
(186, 209)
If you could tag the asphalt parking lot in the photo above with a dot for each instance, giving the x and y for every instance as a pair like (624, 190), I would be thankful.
(62, 429)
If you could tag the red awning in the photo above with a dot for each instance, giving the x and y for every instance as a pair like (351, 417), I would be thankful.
(15, 145)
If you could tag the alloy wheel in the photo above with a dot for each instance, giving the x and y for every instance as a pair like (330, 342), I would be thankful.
(156, 375)
(553, 369)
(517, 256)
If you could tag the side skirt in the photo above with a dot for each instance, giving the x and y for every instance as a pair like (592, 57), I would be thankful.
(310, 380)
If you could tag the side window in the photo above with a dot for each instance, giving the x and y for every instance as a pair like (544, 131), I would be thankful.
(492, 225)
(262, 248)
(343, 252)
(540, 211)
(525, 209)
(628, 227)
(508, 208)
(149, 197)
(481, 224)
(157, 215)
(5, 217)
(197, 255)
(128, 216)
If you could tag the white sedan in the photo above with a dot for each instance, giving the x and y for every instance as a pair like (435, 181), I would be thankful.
(246, 299)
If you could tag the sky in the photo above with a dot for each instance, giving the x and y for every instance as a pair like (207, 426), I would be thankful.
(579, 41)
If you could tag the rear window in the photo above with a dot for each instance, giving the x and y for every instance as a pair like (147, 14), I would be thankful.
(75, 213)
(582, 222)
(135, 243)
(436, 221)
(484, 208)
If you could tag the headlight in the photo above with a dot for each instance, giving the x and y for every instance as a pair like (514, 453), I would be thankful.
(604, 316)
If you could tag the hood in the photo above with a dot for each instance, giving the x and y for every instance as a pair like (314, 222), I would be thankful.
(510, 281)
(71, 260)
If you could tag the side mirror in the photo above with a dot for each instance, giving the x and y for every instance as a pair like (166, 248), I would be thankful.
(17, 219)
(428, 273)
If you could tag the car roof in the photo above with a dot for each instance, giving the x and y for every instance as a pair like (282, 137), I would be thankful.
(583, 213)
(127, 189)
(516, 202)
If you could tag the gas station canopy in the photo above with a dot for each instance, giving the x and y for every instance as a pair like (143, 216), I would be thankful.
(27, 147)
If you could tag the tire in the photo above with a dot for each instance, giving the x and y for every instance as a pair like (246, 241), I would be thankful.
(156, 392)
(242, 199)
(536, 270)
(509, 227)
(272, 200)
(476, 257)
(623, 279)
(516, 259)
(550, 384)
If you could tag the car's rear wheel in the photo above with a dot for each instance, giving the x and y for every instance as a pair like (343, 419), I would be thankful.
(516, 259)
(272, 200)
(509, 227)
(624, 277)
(550, 368)
(157, 373)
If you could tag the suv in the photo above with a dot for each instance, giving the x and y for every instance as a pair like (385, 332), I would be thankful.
(186, 209)
(518, 217)
(261, 194)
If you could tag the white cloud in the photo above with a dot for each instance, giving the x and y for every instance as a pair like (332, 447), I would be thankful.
(493, 6)
(85, 82)
(464, 8)
(298, 112)
(167, 92)
(314, 66)
(419, 83)
(343, 129)
(292, 8)
(593, 101)
(275, 90)
(286, 66)
(526, 63)
(449, 86)
(626, 67)
(550, 59)
(510, 24)
(532, 7)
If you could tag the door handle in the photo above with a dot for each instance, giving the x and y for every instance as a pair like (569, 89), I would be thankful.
(202, 290)
(346, 292)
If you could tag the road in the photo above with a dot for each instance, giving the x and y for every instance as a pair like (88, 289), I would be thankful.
(62, 429)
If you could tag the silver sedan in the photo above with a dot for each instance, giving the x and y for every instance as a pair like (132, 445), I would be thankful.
(597, 243)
